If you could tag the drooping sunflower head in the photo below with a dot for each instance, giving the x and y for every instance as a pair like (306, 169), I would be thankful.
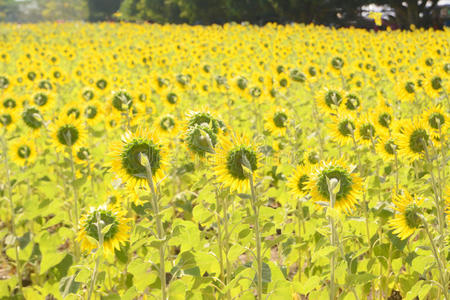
(43, 100)
(126, 157)
(201, 139)
(113, 238)
(298, 181)
(7, 118)
(350, 184)
(235, 160)
(366, 130)
(387, 147)
(92, 112)
(9, 103)
(413, 139)
(67, 131)
(166, 125)
(87, 94)
(276, 121)
(343, 129)
(437, 120)
(407, 219)
(205, 117)
(352, 102)
(23, 152)
(32, 117)
(330, 100)
(121, 100)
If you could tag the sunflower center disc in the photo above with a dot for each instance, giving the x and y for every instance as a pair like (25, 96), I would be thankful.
(131, 158)
(418, 140)
(234, 162)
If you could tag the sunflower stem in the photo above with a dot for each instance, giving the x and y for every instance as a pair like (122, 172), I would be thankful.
(255, 207)
(13, 217)
(75, 203)
(333, 189)
(159, 227)
(365, 204)
(98, 254)
(440, 214)
(222, 240)
(441, 266)
(300, 222)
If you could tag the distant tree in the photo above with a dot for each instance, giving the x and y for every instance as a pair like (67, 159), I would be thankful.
(102, 10)
(9, 10)
(411, 12)
(160, 11)
(67, 10)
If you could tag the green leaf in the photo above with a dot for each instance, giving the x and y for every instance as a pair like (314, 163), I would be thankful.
(234, 252)
(309, 285)
(177, 290)
(361, 278)
(207, 262)
(83, 276)
(106, 228)
(325, 251)
(422, 263)
(68, 285)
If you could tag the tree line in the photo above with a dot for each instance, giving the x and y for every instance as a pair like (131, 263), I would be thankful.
(421, 13)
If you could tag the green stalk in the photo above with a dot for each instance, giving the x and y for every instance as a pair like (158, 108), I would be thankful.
(333, 188)
(13, 215)
(255, 207)
(365, 204)
(75, 203)
(159, 226)
(441, 266)
(99, 255)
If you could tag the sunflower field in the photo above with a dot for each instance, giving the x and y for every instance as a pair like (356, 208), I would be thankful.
(223, 162)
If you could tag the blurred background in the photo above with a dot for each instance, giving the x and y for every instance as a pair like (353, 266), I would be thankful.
(396, 14)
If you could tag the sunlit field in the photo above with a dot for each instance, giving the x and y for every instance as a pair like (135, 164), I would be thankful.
(223, 162)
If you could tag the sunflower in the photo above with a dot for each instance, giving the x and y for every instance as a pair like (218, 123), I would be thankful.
(126, 156)
(366, 130)
(166, 125)
(433, 85)
(9, 102)
(298, 180)
(23, 152)
(437, 120)
(407, 218)
(7, 118)
(406, 90)
(43, 101)
(276, 121)
(67, 131)
(352, 102)
(330, 100)
(383, 116)
(200, 139)
(121, 101)
(205, 117)
(413, 139)
(113, 238)
(87, 94)
(93, 112)
(230, 158)
(82, 155)
(387, 147)
(73, 108)
(350, 184)
(343, 129)
(32, 118)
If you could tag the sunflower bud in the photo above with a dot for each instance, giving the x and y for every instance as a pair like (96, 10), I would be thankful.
(333, 185)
